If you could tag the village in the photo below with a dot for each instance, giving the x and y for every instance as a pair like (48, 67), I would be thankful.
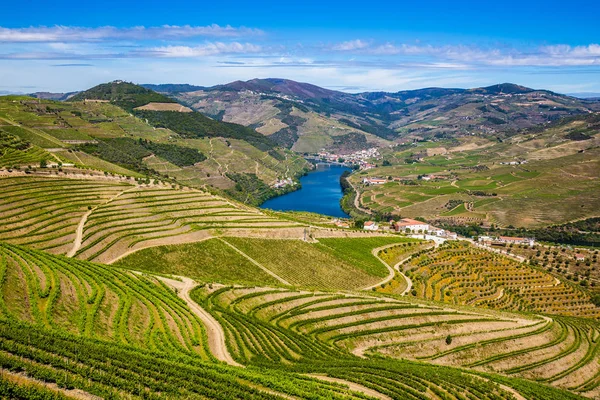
(426, 231)
(357, 158)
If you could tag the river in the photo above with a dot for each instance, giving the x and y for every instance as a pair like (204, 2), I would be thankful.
(320, 193)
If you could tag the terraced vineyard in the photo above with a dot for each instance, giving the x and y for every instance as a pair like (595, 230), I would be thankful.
(96, 301)
(102, 220)
(460, 273)
(161, 215)
(111, 333)
(44, 213)
(303, 329)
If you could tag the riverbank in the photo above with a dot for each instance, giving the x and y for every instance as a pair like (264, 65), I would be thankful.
(320, 193)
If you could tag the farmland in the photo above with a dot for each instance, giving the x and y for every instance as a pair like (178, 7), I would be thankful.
(136, 266)
(119, 216)
(551, 180)
(91, 135)
(331, 263)
(307, 330)
(460, 273)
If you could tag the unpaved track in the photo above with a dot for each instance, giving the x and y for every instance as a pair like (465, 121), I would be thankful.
(357, 200)
(79, 231)
(391, 272)
(214, 331)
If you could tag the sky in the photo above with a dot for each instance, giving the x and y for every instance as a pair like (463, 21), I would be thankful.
(64, 45)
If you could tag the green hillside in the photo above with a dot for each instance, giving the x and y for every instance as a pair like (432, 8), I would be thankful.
(102, 136)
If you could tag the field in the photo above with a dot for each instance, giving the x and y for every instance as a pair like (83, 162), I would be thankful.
(307, 330)
(329, 264)
(460, 273)
(554, 183)
(211, 260)
(117, 216)
(110, 333)
(290, 311)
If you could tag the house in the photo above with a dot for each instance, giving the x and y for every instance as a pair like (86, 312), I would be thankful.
(579, 257)
(437, 231)
(370, 226)
(450, 235)
(516, 240)
(341, 224)
(374, 181)
(411, 225)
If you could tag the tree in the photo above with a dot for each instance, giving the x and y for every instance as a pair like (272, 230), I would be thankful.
(449, 340)
(43, 163)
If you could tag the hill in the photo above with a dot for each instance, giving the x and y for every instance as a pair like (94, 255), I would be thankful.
(73, 328)
(99, 134)
(530, 178)
(308, 118)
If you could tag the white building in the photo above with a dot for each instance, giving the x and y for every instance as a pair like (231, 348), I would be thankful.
(371, 226)
(374, 181)
(412, 225)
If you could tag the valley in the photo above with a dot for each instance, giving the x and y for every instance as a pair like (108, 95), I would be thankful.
(136, 263)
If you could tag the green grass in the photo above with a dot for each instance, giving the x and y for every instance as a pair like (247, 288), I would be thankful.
(207, 261)
(357, 251)
(313, 265)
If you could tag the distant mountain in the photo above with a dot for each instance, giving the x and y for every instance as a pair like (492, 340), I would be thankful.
(305, 117)
(586, 95)
(172, 87)
(52, 96)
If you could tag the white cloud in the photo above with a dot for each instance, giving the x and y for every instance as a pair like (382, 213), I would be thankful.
(350, 45)
(81, 34)
(208, 49)
(552, 56)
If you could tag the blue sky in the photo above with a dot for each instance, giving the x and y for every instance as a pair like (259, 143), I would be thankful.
(353, 46)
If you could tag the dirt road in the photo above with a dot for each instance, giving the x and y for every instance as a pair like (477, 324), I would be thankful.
(214, 331)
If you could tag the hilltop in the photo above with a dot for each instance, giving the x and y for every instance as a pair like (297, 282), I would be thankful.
(307, 118)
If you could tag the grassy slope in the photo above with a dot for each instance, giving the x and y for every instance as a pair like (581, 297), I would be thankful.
(329, 264)
(555, 186)
(207, 261)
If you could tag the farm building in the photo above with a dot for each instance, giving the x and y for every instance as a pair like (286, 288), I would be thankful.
(411, 225)
(374, 181)
(515, 240)
(579, 257)
(371, 226)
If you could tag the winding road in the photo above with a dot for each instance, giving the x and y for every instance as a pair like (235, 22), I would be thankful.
(214, 331)
(392, 270)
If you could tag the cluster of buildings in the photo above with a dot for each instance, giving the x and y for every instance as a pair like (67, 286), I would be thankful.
(280, 183)
(514, 162)
(489, 240)
(357, 158)
(408, 225)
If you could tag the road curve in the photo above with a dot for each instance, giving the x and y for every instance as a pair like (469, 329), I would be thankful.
(391, 272)
(214, 331)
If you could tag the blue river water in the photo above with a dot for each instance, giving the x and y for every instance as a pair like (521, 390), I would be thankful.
(320, 193)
